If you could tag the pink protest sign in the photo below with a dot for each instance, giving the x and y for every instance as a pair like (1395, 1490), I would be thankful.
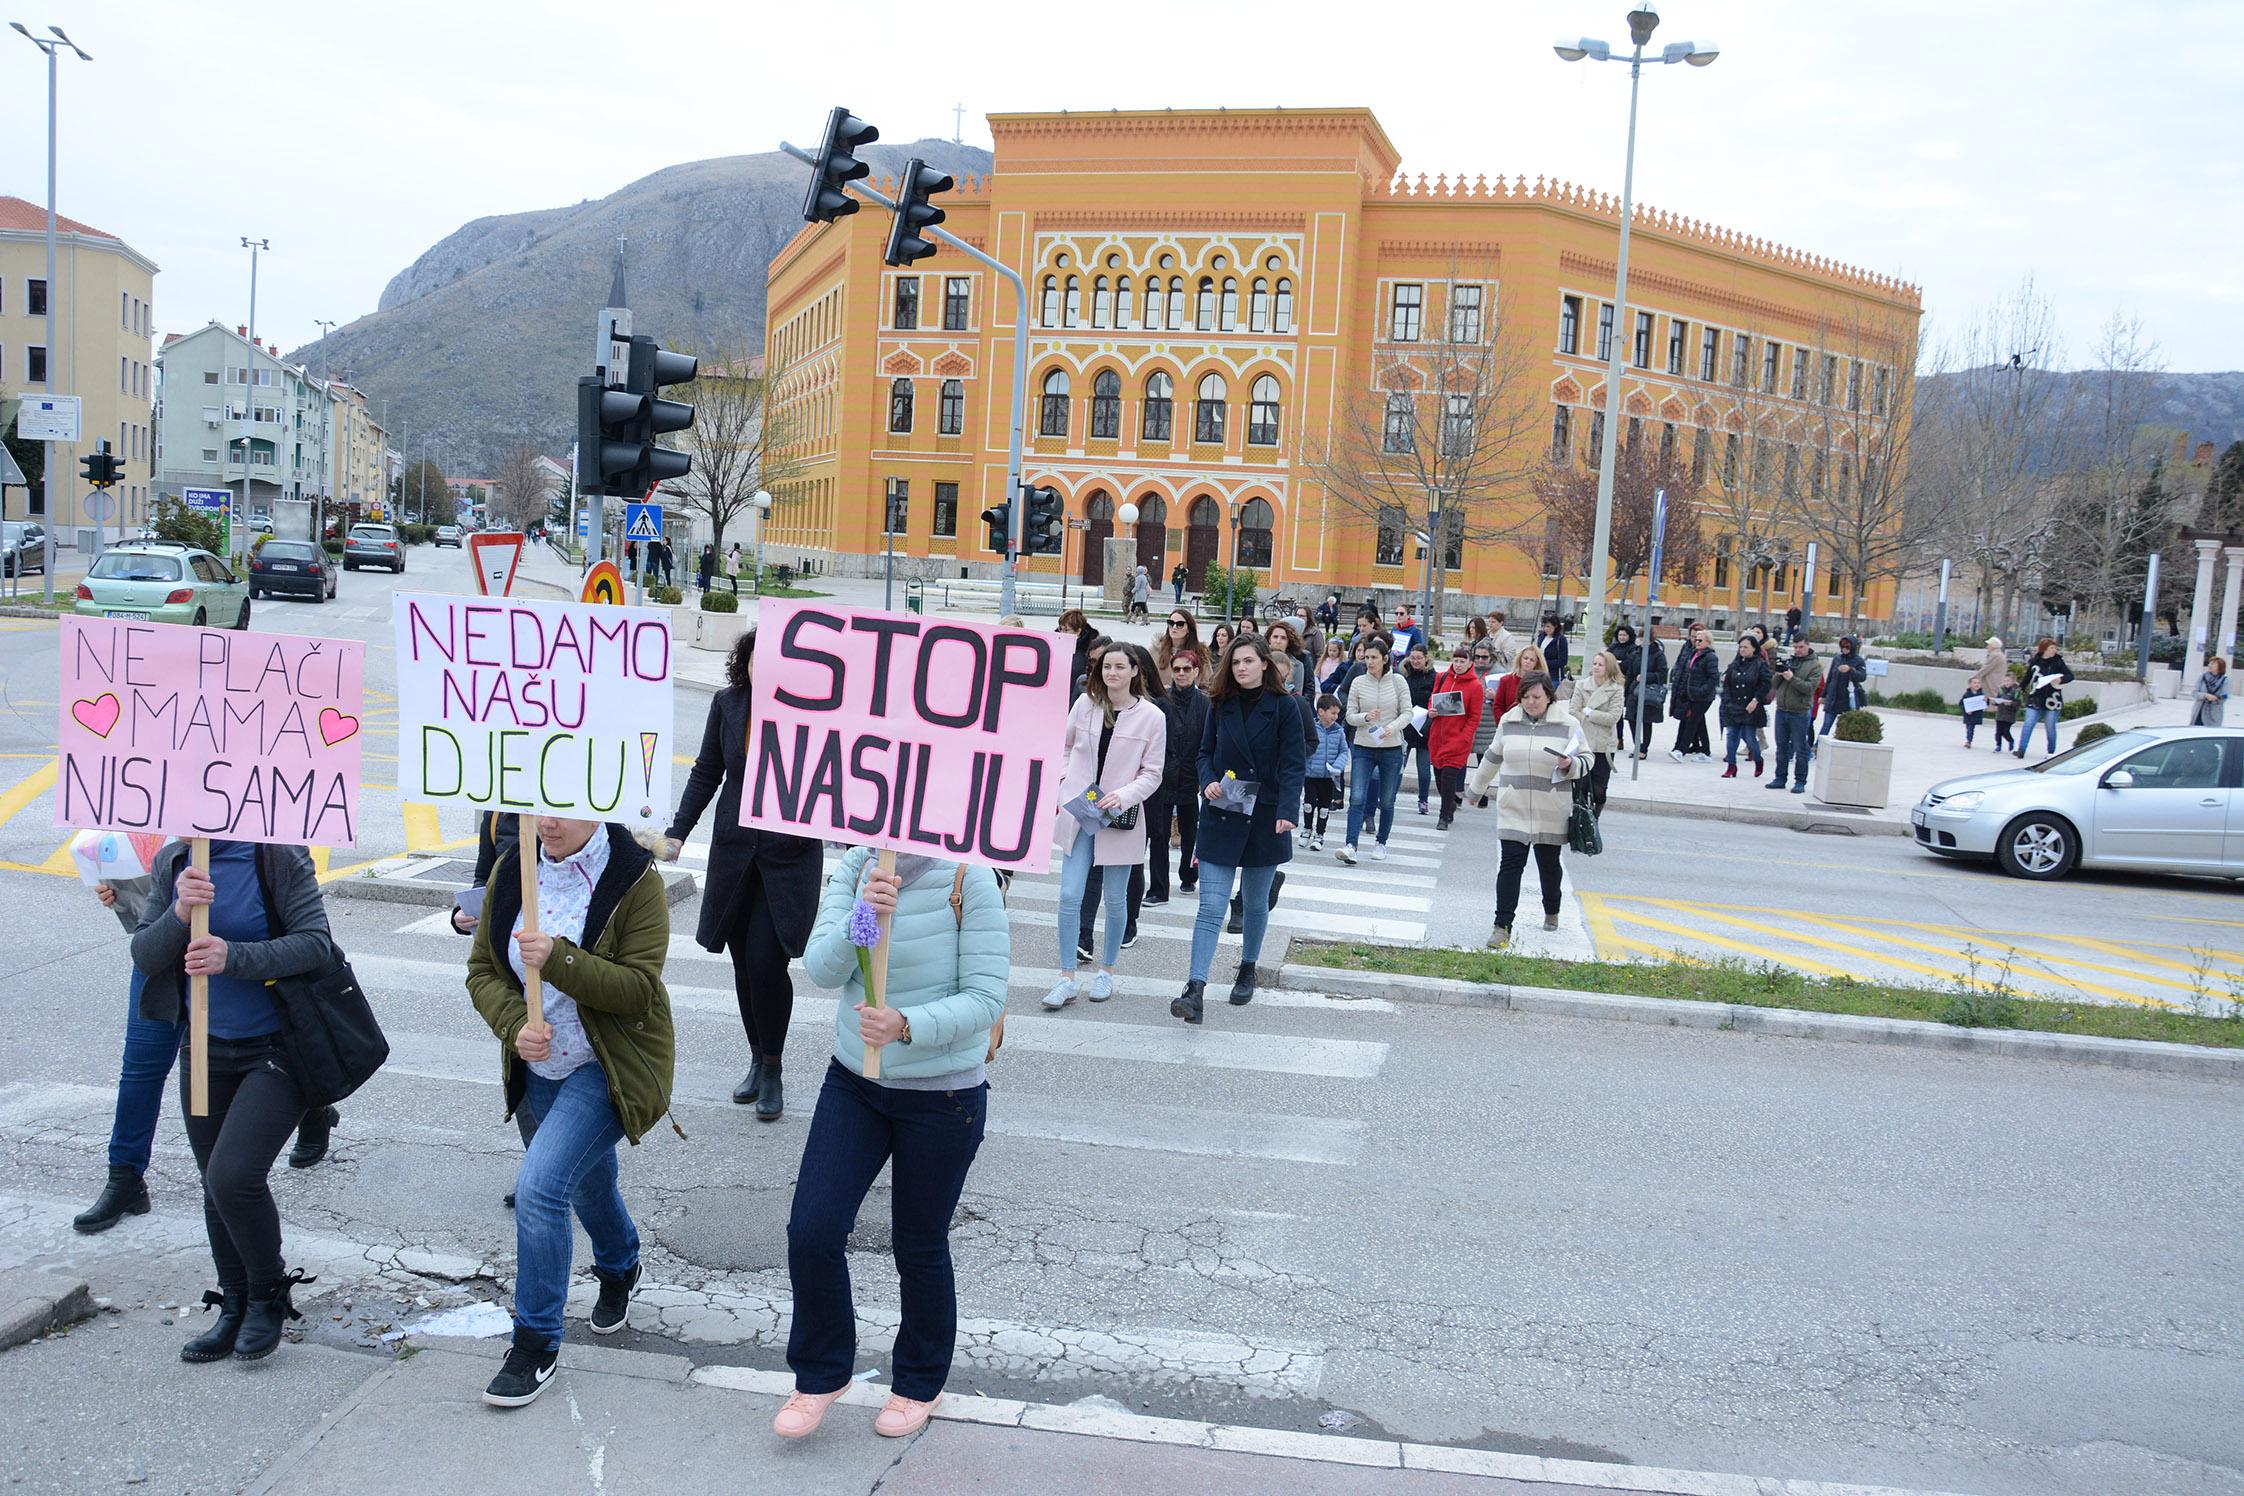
(894, 731)
(188, 732)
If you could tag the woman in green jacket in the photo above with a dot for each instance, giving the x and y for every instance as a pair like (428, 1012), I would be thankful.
(949, 963)
(595, 1071)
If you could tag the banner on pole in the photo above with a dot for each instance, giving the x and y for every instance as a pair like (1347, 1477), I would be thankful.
(888, 730)
(538, 708)
(179, 731)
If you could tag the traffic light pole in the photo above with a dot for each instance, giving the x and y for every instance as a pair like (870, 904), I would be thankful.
(1016, 501)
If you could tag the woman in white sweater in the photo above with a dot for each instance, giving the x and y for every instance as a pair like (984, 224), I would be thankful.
(1116, 746)
(1378, 709)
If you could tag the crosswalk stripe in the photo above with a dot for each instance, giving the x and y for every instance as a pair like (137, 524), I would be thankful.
(1368, 927)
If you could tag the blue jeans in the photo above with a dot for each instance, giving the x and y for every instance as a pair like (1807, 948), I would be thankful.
(858, 1127)
(571, 1162)
(1422, 757)
(1114, 893)
(1254, 916)
(1734, 738)
(2038, 714)
(150, 1048)
(1378, 773)
(1830, 719)
(1795, 744)
(1180, 594)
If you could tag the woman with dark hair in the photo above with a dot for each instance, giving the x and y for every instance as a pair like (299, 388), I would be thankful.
(1156, 817)
(1219, 645)
(1745, 686)
(1253, 738)
(1182, 632)
(1075, 622)
(1114, 750)
(1284, 637)
(761, 894)
(1695, 686)
(1553, 645)
(2046, 677)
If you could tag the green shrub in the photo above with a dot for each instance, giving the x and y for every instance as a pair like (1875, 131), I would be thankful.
(2092, 732)
(665, 595)
(1859, 727)
(175, 521)
(1925, 699)
(1908, 641)
(1227, 592)
(333, 545)
(719, 602)
(2078, 707)
(2168, 649)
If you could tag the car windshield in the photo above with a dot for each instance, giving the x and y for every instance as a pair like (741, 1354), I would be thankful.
(286, 550)
(2083, 757)
(131, 567)
(372, 532)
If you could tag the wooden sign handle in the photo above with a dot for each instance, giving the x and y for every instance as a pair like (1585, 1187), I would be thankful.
(526, 853)
(198, 995)
(886, 867)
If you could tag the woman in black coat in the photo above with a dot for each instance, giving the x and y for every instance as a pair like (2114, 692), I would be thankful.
(1745, 686)
(1694, 687)
(760, 898)
(1254, 735)
(1641, 694)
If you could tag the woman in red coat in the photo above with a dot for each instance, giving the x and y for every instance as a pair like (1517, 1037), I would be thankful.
(1449, 734)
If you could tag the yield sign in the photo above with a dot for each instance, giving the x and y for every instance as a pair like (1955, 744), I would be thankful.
(495, 556)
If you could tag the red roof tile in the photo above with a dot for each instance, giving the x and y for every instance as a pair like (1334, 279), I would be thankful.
(15, 213)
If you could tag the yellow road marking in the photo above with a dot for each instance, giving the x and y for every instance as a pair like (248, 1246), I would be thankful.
(17, 797)
(60, 861)
(1629, 916)
(25, 867)
(2014, 957)
(348, 869)
(2133, 953)
(422, 832)
(1600, 924)
(320, 856)
(48, 754)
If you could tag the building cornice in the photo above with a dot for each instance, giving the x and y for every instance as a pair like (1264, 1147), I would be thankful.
(65, 239)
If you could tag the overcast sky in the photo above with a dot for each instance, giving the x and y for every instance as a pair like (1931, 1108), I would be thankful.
(2090, 143)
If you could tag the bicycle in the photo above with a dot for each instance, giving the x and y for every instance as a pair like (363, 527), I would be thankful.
(1276, 608)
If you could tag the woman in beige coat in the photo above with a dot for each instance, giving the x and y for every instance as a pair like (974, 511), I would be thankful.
(1598, 703)
(1987, 681)
(1537, 754)
(1116, 745)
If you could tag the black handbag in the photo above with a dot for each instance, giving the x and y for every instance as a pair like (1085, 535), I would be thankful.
(330, 1041)
(1582, 836)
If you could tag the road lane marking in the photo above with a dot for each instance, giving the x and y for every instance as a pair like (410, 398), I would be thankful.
(17, 796)
(422, 831)
(1650, 922)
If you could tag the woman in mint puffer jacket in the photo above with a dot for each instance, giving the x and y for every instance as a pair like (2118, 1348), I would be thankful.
(950, 960)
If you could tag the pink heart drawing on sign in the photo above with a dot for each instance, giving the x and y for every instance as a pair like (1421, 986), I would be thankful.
(335, 727)
(97, 716)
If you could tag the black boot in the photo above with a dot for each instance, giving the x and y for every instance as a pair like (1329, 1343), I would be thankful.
(750, 1083)
(269, 1309)
(217, 1342)
(1186, 1005)
(771, 1096)
(311, 1137)
(123, 1195)
(1242, 986)
(1238, 921)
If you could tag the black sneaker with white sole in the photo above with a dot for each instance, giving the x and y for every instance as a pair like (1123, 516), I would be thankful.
(530, 1364)
(613, 1309)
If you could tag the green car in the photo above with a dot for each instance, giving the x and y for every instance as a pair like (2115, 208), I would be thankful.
(164, 582)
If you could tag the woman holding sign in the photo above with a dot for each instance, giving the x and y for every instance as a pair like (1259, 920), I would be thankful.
(762, 893)
(1114, 746)
(1252, 754)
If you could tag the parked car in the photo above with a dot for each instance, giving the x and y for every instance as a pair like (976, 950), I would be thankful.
(23, 547)
(261, 524)
(291, 568)
(448, 535)
(163, 583)
(373, 545)
(2157, 799)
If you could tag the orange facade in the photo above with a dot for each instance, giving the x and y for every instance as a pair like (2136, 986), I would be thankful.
(1215, 297)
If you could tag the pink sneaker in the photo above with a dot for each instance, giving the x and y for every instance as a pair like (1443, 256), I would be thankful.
(803, 1412)
(904, 1417)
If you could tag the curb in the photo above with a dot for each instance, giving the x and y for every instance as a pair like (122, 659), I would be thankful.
(1828, 822)
(1790, 1023)
(11, 611)
(33, 1303)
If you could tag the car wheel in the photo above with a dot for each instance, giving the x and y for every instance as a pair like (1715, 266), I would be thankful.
(2040, 846)
(243, 621)
(202, 619)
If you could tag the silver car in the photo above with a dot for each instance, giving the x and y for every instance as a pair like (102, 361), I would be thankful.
(2157, 799)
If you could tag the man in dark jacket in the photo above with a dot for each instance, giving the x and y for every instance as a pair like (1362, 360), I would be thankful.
(1796, 678)
(1846, 685)
(1178, 796)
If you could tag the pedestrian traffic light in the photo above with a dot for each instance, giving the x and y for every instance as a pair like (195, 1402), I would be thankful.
(836, 166)
(1047, 523)
(651, 369)
(914, 213)
(999, 518)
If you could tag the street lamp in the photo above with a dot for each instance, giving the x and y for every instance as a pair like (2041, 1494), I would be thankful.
(1126, 518)
(47, 471)
(1643, 20)
(1231, 591)
(762, 503)
(327, 433)
(249, 384)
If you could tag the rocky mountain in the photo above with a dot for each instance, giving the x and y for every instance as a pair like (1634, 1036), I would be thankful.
(477, 344)
(2208, 407)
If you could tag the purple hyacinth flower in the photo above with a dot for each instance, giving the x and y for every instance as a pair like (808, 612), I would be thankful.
(864, 925)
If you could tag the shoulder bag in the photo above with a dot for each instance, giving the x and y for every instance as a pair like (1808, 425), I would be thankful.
(1582, 836)
(329, 1038)
(958, 915)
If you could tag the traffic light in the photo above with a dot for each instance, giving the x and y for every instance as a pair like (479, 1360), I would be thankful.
(116, 468)
(616, 428)
(999, 518)
(1047, 522)
(607, 436)
(837, 165)
(915, 213)
(94, 468)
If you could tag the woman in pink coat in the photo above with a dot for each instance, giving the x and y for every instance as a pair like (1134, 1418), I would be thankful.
(1116, 743)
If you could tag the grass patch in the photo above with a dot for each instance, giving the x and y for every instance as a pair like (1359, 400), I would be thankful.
(1985, 998)
(66, 601)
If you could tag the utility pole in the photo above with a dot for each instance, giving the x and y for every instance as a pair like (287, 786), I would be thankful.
(327, 435)
(249, 397)
(47, 470)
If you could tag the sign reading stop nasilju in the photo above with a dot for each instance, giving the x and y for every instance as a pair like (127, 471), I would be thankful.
(890, 730)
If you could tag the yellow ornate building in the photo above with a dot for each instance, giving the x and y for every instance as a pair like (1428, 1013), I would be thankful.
(1229, 309)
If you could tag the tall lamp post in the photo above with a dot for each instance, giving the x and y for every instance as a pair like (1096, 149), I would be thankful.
(1643, 20)
(1126, 519)
(249, 394)
(327, 435)
(47, 471)
(762, 505)
(1231, 591)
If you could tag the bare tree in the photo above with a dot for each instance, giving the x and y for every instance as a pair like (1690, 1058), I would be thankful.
(1738, 458)
(1642, 471)
(523, 489)
(740, 439)
(1446, 441)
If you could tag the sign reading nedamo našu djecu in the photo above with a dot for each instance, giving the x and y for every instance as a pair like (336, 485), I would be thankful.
(194, 732)
(532, 707)
(895, 731)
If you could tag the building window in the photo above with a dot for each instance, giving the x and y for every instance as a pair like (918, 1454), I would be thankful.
(1769, 360)
(1409, 308)
(1155, 423)
(1153, 303)
(957, 296)
(1833, 586)
(1633, 431)
(907, 304)
(1710, 353)
(1204, 305)
(1176, 303)
(1570, 325)
(898, 518)
(946, 509)
(1702, 443)
(1207, 411)
(210, 376)
(1854, 384)
(1678, 339)
(1741, 361)
(1799, 373)
(1464, 314)
(124, 310)
(1258, 306)
(1562, 433)
(124, 376)
(1122, 309)
(35, 298)
(1230, 314)
(1392, 524)
(1722, 570)
(1281, 319)
(1399, 431)
(950, 409)
(1106, 404)
(1052, 417)
(1730, 462)
(1102, 302)
(35, 364)
(1830, 379)
(1254, 546)
(1262, 413)
(1597, 438)
(1643, 343)
(1878, 390)
(210, 454)
(1604, 332)
(1049, 313)
(1457, 426)
(1667, 443)
(1071, 313)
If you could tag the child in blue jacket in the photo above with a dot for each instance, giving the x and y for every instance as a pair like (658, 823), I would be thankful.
(1321, 777)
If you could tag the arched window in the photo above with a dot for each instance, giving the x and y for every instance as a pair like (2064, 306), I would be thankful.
(1207, 411)
(1262, 412)
(1258, 307)
(1255, 541)
(1160, 405)
(1176, 303)
(1106, 404)
(950, 414)
(1153, 302)
(1230, 322)
(1049, 313)
(1283, 321)
(1389, 545)
(1101, 306)
(900, 405)
(1073, 312)
(1204, 305)
(1122, 302)
(1052, 417)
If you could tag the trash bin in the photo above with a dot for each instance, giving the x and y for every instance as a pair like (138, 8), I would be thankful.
(915, 596)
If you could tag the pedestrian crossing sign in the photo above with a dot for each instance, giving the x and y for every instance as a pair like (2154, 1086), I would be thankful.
(642, 521)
